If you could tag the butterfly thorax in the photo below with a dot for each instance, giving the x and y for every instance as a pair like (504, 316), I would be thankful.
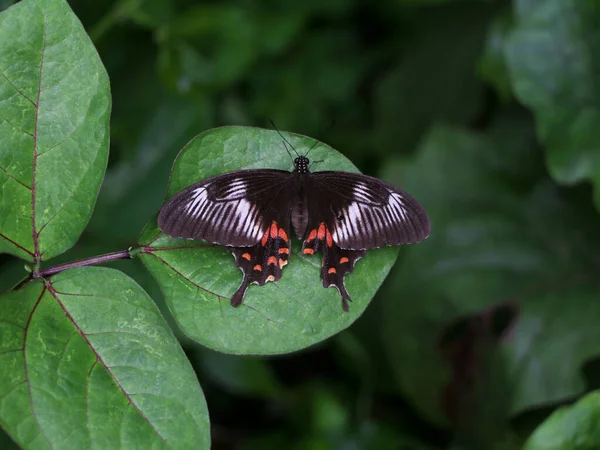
(301, 164)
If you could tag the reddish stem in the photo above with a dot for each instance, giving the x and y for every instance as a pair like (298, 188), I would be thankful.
(123, 254)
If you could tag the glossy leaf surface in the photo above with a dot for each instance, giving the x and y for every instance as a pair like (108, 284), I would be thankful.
(89, 362)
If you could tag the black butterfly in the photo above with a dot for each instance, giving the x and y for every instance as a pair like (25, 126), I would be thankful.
(339, 213)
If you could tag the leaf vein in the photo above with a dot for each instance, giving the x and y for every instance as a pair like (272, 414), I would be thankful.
(16, 88)
(55, 294)
(12, 177)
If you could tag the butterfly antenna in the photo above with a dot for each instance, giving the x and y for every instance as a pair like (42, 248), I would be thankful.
(313, 146)
(284, 140)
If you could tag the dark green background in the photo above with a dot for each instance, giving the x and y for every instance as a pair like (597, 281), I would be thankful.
(488, 112)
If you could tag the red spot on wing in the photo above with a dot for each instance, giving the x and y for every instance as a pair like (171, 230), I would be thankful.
(321, 232)
(271, 278)
(283, 235)
(328, 238)
(282, 263)
(312, 235)
(274, 230)
(331, 270)
(344, 260)
(258, 267)
(284, 250)
(265, 238)
(272, 260)
(308, 251)
(247, 256)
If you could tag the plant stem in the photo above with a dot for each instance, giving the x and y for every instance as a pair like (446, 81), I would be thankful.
(123, 254)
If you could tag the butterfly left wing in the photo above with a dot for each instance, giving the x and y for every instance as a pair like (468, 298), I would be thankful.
(247, 210)
(351, 213)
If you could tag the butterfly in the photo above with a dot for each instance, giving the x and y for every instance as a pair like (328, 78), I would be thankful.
(340, 214)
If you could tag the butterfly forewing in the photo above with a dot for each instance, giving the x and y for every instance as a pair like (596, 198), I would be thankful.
(232, 209)
(363, 212)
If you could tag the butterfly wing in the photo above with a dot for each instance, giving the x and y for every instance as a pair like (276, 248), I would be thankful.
(364, 212)
(248, 210)
(349, 213)
(232, 209)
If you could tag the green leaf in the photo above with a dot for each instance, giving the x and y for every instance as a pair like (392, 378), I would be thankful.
(197, 279)
(498, 235)
(55, 104)
(551, 56)
(570, 428)
(88, 359)
(492, 63)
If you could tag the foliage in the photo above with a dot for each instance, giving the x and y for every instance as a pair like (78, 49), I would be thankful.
(484, 111)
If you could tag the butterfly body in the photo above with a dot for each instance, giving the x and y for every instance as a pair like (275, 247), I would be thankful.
(340, 214)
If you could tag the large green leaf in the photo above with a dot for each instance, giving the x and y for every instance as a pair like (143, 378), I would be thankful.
(55, 106)
(553, 64)
(570, 428)
(197, 279)
(89, 362)
(496, 236)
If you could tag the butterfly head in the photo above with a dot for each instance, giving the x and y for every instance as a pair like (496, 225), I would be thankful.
(301, 164)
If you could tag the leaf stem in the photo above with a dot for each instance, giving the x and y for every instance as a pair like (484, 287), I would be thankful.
(123, 254)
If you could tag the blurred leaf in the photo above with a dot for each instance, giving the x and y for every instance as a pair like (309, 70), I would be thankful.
(436, 79)
(492, 63)
(329, 415)
(240, 375)
(211, 45)
(570, 428)
(148, 13)
(133, 188)
(551, 56)
(12, 271)
(198, 279)
(475, 399)
(56, 105)
(97, 369)
(493, 239)
(5, 4)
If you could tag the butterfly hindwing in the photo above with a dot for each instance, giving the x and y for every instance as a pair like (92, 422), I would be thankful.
(232, 209)
(336, 262)
(362, 212)
(264, 261)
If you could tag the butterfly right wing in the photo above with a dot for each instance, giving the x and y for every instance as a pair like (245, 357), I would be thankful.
(232, 209)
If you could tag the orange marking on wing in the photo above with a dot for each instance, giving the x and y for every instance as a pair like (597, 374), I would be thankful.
(308, 251)
(271, 278)
(328, 238)
(272, 260)
(312, 235)
(331, 270)
(321, 232)
(284, 250)
(274, 230)
(247, 256)
(283, 235)
(265, 238)
(258, 267)
(344, 260)
(282, 263)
